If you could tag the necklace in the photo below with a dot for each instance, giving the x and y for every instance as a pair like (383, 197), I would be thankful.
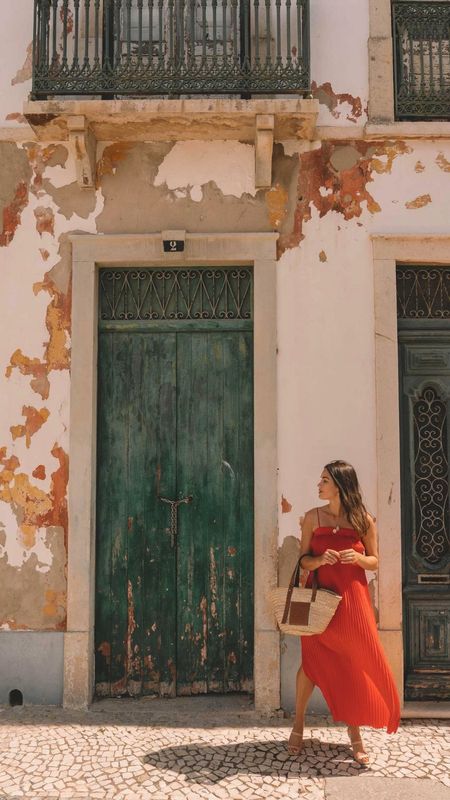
(336, 528)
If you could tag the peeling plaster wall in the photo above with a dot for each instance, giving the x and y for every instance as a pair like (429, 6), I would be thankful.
(35, 359)
(325, 301)
(326, 199)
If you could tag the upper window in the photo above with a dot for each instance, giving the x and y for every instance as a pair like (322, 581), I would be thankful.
(421, 32)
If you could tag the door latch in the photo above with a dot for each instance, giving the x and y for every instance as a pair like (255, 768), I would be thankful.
(173, 530)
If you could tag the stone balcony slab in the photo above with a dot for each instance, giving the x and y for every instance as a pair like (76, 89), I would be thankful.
(157, 119)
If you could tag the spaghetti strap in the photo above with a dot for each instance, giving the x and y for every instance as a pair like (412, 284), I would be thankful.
(318, 518)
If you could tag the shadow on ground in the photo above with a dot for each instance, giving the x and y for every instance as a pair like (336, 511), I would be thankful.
(210, 763)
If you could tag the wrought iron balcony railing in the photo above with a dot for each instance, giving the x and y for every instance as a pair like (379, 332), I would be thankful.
(421, 33)
(170, 47)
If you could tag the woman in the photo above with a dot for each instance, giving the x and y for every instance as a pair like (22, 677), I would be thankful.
(346, 661)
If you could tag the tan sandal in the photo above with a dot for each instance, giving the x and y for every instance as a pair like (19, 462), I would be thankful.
(293, 749)
(360, 755)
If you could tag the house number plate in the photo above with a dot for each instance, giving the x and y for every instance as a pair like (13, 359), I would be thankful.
(173, 245)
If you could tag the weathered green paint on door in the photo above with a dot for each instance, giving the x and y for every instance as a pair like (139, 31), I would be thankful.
(174, 611)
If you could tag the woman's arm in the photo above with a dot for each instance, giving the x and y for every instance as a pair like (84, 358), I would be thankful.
(308, 561)
(370, 559)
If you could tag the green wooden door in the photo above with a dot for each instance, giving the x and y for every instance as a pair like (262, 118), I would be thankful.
(424, 359)
(174, 611)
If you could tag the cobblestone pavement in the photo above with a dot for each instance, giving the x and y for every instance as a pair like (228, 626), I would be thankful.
(200, 748)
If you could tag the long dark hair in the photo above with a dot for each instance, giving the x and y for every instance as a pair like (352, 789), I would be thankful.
(346, 480)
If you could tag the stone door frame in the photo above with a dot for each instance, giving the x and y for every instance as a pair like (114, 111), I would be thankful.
(388, 251)
(89, 252)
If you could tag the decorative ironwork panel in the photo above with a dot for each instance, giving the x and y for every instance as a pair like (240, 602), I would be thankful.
(145, 47)
(423, 292)
(176, 294)
(421, 32)
(432, 536)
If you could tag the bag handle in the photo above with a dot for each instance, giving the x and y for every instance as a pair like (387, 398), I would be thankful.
(295, 582)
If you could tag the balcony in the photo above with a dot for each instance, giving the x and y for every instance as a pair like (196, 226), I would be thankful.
(136, 48)
(421, 32)
(168, 70)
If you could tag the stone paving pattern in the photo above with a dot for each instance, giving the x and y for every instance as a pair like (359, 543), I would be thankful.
(197, 748)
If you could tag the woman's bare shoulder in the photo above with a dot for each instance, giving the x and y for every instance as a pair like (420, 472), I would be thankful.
(310, 516)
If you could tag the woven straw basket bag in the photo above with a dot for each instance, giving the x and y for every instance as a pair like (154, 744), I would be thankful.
(303, 612)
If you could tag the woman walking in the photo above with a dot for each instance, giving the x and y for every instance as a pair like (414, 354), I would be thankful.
(346, 661)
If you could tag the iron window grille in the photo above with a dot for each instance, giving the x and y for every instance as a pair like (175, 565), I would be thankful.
(421, 34)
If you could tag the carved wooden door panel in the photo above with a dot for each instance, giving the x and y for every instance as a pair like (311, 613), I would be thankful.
(424, 349)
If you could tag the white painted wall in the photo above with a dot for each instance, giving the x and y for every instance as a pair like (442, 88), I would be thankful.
(339, 34)
(16, 33)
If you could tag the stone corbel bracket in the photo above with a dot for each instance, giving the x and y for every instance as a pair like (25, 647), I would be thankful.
(264, 133)
(85, 146)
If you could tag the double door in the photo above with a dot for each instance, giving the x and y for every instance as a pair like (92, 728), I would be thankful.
(174, 555)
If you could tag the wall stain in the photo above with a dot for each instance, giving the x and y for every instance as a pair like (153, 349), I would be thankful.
(56, 349)
(33, 507)
(442, 162)
(34, 420)
(419, 167)
(45, 220)
(33, 599)
(12, 213)
(325, 95)
(66, 17)
(16, 116)
(277, 205)
(111, 156)
(286, 506)
(419, 202)
(40, 158)
(39, 472)
(322, 256)
(25, 72)
(55, 603)
(335, 177)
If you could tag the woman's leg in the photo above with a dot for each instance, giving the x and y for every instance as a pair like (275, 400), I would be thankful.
(359, 754)
(304, 691)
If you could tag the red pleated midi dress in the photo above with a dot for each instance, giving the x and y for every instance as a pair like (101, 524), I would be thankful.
(347, 661)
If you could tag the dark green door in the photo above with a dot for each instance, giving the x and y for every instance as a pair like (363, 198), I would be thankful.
(174, 610)
(424, 340)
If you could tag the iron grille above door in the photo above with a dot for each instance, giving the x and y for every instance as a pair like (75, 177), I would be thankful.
(423, 293)
(176, 294)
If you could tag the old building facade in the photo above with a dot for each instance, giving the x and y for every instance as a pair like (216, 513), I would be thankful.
(225, 261)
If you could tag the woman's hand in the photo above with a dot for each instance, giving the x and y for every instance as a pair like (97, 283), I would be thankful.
(349, 557)
(329, 557)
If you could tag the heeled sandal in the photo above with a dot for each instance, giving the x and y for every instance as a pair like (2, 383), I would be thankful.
(360, 756)
(293, 749)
